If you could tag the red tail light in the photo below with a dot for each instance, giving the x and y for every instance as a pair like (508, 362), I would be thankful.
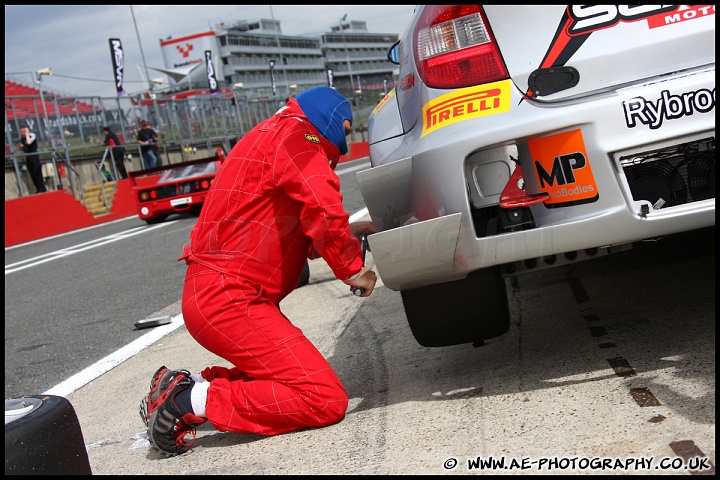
(455, 48)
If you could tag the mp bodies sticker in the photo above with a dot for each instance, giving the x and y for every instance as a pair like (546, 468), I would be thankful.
(465, 104)
(562, 169)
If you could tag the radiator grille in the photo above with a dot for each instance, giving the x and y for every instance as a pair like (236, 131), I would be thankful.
(673, 175)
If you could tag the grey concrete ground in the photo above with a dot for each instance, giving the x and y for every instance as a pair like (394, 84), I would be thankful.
(543, 392)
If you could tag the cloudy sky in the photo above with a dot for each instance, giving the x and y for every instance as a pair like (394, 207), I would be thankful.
(73, 39)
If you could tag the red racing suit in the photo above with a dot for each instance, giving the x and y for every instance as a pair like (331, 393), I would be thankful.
(274, 202)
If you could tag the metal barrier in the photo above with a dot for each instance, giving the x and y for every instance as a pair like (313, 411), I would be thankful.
(186, 127)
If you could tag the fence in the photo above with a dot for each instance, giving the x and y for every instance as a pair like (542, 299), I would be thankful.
(70, 131)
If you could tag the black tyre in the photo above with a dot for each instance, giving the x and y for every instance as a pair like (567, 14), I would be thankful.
(465, 311)
(196, 209)
(305, 277)
(43, 437)
(154, 220)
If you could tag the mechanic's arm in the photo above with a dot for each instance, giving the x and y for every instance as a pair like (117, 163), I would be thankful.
(362, 228)
(307, 178)
(366, 278)
(356, 230)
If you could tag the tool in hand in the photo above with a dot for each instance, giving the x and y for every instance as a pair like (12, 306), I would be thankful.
(358, 291)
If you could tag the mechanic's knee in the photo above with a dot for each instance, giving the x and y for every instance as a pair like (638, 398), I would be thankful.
(333, 411)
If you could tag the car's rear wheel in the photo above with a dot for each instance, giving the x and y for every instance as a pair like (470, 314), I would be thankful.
(305, 277)
(465, 311)
(195, 210)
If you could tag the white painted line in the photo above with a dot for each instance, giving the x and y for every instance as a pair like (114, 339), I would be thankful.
(48, 257)
(352, 169)
(355, 216)
(70, 232)
(133, 348)
(114, 359)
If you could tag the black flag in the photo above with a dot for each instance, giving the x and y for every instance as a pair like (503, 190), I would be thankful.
(212, 81)
(118, 63)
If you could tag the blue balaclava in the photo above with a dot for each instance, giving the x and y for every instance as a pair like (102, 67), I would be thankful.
(327, 109)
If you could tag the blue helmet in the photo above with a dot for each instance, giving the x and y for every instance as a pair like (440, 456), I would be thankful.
(327, 109)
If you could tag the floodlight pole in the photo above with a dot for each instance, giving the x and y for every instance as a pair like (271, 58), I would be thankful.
(347, 56)
(235, 89)
(142, 54)
(42, 100)
(40, 73)
(277, 40)
(147, 74)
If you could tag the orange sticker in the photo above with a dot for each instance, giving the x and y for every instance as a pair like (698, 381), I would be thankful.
(562, 169)
(465, 104)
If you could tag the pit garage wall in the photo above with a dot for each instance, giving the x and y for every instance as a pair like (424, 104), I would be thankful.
(46, 214)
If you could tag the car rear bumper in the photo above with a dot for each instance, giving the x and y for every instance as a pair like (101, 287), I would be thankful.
(424, 193)
(169, 206)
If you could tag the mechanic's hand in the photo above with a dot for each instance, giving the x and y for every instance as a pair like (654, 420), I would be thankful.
(366, 280)
(362, 228)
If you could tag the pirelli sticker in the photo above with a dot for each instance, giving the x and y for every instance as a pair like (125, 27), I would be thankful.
(562, 169)
(382, 103)
(466, 104)
(312, 138)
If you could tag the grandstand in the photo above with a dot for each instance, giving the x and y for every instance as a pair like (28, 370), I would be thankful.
(22, 101)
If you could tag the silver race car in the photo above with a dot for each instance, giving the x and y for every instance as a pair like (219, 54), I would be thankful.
(524, 137)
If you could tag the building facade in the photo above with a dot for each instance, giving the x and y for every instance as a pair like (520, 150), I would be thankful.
(358, 58)
(255, 58)
(256, 54)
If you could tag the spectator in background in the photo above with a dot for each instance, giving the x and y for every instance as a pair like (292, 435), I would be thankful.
(155, 145)
(147, 137)
(28, 144)
(118, 152)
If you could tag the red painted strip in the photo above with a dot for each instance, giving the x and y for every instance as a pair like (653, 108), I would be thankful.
(30, 218)
(184, 39)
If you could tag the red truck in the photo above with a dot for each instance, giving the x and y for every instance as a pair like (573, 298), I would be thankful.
(177, 188)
